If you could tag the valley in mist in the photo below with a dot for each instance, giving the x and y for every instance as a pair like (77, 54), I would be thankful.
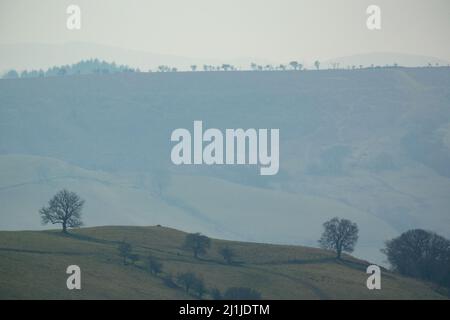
(371, 145)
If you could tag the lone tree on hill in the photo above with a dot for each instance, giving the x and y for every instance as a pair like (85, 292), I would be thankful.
(339, 235)
(124, 249)
(154, 265)
(198, 243)
(65, 209)
(227, 254)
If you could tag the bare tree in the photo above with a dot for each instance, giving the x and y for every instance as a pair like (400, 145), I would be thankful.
(187, 280)
(335, 65)
(227, 254)
(294, 65)
(65, 209)
(198, 243)
(317, 64)
(154, 265)
(190, 282)
(163, 68)
(226, 67)
(124, 251)
(339, 235)
(199, 287)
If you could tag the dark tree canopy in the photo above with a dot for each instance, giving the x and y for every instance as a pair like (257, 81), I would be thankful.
(421, 254)
(189, 280)
(91, 66)
(11, 74)
(133, 257)
(199, 287)
(227, 254)
(339, 235)
(294, 65)
(126, 252)
(154, 265)
(169, 282)
(317, 64)
(198, 243)
(65, 209)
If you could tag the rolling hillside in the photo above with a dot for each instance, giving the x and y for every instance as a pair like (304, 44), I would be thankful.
(204, 207)
(372, 145)
(33, 265)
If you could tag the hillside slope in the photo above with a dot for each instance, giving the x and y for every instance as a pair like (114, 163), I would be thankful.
(130, 199)
(33, 266)
(371, 145)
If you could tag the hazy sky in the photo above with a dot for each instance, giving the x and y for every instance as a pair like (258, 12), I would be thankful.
(278, 30)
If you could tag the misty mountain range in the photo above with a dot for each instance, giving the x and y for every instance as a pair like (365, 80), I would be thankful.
(371, 145)
(42, 56)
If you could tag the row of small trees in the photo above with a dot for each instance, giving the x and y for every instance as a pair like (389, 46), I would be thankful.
(339, 235)
(415, 253)
(292, 65)
(95, 66)
(188, 281)
(102, 67)
(194, 242)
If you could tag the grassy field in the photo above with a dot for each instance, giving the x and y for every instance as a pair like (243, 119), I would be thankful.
(33, 265)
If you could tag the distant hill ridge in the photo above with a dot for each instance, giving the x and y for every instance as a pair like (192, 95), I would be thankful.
(43, 56)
